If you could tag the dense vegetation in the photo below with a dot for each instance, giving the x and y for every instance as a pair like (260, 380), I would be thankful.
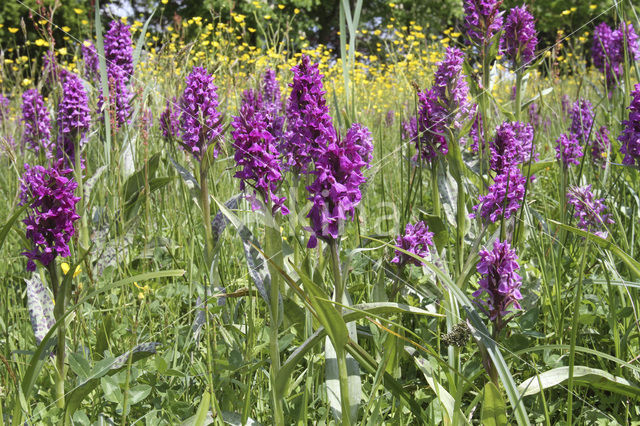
(216, 218)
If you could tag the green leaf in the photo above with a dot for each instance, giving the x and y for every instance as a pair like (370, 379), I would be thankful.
(138, 393)
(482, 336)
(332, 374)
(446, 400)
(103, 369)
(357, 312)
(494, 409)
(327, 314)
(135, 183)
(44, 348)
(633, 264)
(256, 261)
(203, 410)
(9, 224)
(586, 376)
(111, 390)
(104, 81)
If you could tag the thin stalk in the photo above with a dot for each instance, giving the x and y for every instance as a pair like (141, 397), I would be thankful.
(273, 250)
(435, 196)
(340, 351)
(518, 106)
(206, 211)
(125, 401)
(574, 334)
(84, 227)
(58, 312)
(484, 105)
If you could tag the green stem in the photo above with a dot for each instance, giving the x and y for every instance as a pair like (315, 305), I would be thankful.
(58, 312)
(82, 205)
(518, 106)
(206, 212)
(340, 351)
(574, 334)
(435, 196)
(273, 250)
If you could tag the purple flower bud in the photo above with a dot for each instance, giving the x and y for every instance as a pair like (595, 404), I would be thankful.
(119, 94)
(442, 107)
(500, 281)
(568, 149)
(170, 119)
(309, 126)
(118, 48)
(589, 210)
(91, 62)
(630, 136)
(273, 105)
(410, 129)
(503, 198)
(519, 41)
(37, 123)
(271, 90)
(603, 47)
(628, 34)
(389, 118)
(477, 133)
(52, 211)
(534, 115)
(512, 145)
(608, 50)
(73, 117)
(581, 119)
(4, 107)
(416, 239)
(200, 121)
(256, 153)
(564, 102)
(335, 193)
(483, 20)
(600, 146)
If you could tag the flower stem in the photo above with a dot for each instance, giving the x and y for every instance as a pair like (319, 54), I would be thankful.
(206, 212)
(273, 249)
(574, 334)
(518, 106)
(58, 312)
(340, 351)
